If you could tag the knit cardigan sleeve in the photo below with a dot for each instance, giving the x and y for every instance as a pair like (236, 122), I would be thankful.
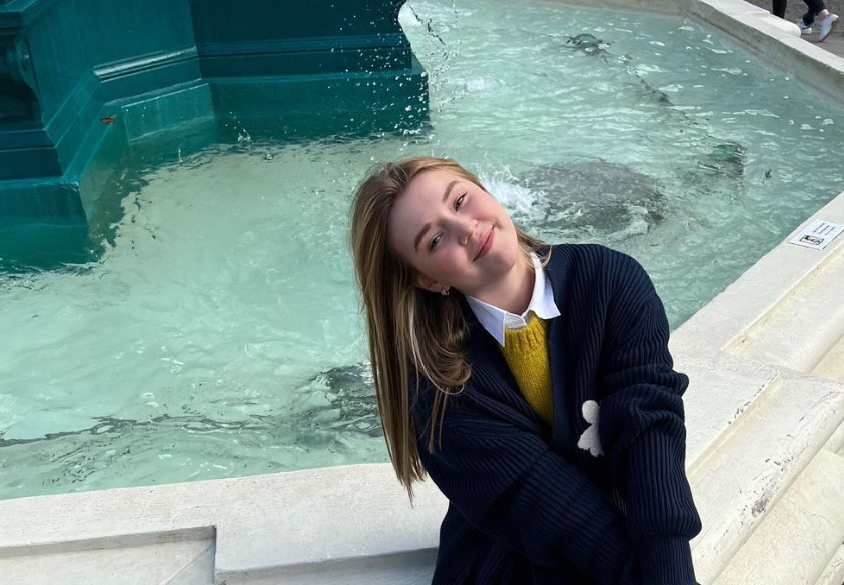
(642, 428)
(508, 484)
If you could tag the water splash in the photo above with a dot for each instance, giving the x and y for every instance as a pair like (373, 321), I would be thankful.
(437, 48)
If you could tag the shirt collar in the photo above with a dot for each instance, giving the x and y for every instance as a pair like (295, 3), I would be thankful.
(496, 320)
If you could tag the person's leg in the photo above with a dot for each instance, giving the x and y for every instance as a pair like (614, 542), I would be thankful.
(809, 17)
(826, 20)
(816, 8)
(778, 7)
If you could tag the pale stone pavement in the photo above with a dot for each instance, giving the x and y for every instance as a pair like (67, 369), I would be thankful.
(796, 8)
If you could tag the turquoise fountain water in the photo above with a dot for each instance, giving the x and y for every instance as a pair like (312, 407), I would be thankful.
(206, 324)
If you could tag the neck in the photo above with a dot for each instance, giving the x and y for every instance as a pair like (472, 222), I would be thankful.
(513, 292)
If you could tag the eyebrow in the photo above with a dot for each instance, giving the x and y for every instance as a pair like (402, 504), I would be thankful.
(427, 226)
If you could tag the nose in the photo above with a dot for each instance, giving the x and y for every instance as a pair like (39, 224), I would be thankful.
(468, 231)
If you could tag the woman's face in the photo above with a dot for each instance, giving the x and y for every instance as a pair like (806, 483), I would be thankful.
(440, 225)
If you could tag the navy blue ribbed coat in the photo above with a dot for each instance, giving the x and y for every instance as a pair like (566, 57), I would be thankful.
(528, 506)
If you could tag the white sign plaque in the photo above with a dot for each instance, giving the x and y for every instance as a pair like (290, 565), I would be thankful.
(818, 234)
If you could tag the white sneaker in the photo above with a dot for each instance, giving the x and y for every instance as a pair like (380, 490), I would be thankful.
(826, 26)
(805, 29)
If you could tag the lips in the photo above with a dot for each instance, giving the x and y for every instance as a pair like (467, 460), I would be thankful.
(486, 245)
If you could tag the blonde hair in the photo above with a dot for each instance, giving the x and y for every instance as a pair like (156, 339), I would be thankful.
(412, 331)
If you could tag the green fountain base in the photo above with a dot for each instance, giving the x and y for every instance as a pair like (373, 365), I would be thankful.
(72, 104)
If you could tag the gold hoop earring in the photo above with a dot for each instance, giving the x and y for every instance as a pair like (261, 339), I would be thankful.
(445, 292)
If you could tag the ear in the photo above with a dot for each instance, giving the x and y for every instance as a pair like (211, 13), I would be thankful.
(428, 284)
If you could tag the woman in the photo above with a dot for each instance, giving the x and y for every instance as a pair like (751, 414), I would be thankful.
(533, 383)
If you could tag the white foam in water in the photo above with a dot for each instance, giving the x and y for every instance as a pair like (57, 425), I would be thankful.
(219, 335)
(517, 199)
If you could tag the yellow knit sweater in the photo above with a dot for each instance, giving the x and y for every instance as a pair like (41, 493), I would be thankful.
(526, 352)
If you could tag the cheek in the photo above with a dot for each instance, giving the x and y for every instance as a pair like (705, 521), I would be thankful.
(451, 263)
(448, 262)
(511, 229)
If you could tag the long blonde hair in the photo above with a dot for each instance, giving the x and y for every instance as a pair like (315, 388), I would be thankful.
(412, 331)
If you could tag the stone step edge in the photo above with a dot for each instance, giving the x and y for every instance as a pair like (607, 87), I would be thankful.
(127, 540)
(807, 521)
(739, 482)
(833, 574)
(362, 569)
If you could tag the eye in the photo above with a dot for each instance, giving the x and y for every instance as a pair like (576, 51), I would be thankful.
(457, 205)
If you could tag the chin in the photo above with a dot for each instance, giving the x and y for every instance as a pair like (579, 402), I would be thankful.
(511, 252)
(505, 260)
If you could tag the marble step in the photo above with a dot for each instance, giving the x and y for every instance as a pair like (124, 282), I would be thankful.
(833, 574)
(741, 479)
(148, 562)
(800, 535)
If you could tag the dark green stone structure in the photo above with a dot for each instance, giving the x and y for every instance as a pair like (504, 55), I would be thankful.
(80, 80)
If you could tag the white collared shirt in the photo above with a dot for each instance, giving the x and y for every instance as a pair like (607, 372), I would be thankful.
(496, 320)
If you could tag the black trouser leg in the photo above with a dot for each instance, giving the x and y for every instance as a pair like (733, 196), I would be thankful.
(815, 6)
(779, 8)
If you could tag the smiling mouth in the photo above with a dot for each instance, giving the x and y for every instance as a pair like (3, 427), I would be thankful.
(482, 250)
